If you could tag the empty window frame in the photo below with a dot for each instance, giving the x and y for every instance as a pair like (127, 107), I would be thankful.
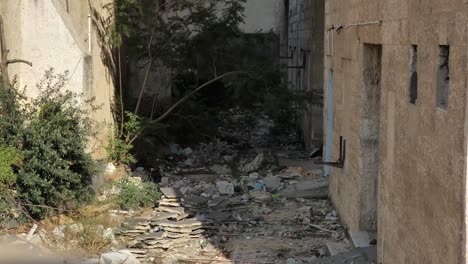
(413, 85)
(443, 77)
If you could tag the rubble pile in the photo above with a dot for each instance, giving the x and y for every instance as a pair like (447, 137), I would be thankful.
(233, 200)
(218, 216)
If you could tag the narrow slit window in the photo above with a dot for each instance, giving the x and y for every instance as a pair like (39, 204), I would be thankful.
(443, 77)
(413, 89)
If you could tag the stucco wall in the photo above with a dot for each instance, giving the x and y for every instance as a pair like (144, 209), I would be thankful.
(50, 36)
(421, 153)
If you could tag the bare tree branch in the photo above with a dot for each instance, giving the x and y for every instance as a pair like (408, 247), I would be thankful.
(192, 93)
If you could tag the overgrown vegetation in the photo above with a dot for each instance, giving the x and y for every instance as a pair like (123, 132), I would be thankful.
(213, 67)
(135, 195)
(50, 132)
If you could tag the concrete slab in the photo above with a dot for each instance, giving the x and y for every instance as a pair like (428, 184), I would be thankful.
(171, 192)
(355, 256)
(335, 248)
(360, 239)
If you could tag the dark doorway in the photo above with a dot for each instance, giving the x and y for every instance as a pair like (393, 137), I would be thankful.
(372, 65)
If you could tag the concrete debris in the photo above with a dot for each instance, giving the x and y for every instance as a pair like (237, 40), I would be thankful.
(221, 169)
(255, 165)
(272, 183)
(231, 201)
(118, 257)
(225, 187)
(307, 189)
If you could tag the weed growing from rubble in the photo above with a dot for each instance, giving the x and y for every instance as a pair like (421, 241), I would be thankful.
(135, 195)
(119, 148)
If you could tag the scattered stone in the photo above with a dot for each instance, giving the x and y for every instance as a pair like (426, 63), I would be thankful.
(110, 168)
(188, 151)
(221, 169)
(171, 192)
(164, 181)
(253, 176)
(217, 201)
(307, 189)
(168, 209)
(118, 257)
(256, 164)
(76, 228)
(272, 183)
(260, 195)
(164, 215)
(58, 231)
(225, 187)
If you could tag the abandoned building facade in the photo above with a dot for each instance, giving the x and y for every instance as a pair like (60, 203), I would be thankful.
(393, 75)
(394, 82)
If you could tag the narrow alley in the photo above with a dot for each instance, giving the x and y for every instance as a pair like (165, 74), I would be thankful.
(234, 131)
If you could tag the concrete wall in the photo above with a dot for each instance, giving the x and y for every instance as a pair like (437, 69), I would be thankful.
(418, 169)
(302, 40)
(49, 35)
(261, 16)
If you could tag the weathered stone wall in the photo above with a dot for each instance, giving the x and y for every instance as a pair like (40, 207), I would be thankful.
(50, 35)
(302, 41)
(418, 160)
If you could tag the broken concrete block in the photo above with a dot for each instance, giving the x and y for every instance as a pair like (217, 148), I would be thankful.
(272, 183)
(224, 187)
(316, 189)
(256, 164)
(221, 169)
(178, 210)
(335, 248)
(253, 176)
(360, 239)
(153, 236)
(171, 192)
(260, 195)
(118, 257)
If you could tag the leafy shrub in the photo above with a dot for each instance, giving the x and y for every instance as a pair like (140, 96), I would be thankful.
(58, 172)
(134, 194)
(9, 158)
(12, 115)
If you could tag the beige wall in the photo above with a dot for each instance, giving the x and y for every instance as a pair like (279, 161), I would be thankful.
(421, 160)
(45, 33)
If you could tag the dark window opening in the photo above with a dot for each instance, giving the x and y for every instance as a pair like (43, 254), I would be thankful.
(443, 77)
(413, 90)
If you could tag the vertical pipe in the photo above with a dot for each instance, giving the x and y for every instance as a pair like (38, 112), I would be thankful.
(89, 34)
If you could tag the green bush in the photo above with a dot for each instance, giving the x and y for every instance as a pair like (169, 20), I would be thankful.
(9, 158)
(58, 169)
(135, 195)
